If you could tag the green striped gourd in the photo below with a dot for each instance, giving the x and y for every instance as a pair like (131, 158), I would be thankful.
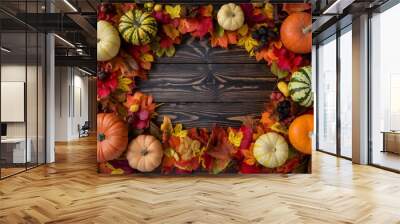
(300, 87)
(137, 27)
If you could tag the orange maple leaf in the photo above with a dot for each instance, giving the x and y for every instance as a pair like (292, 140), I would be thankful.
(206, 11)
(188, 25)
(224, 40)
(266, 119)
(248, 155)
(268, 53)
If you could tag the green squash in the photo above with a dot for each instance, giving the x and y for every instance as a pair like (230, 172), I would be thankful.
(137, 27)
(300, 87)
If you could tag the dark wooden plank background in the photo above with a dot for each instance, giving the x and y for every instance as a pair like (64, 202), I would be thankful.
(201, 86)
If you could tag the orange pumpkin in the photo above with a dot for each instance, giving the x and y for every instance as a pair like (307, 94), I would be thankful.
(300, 133)
(296, 32)
(144, 153)
(112, 137)
(295, 7)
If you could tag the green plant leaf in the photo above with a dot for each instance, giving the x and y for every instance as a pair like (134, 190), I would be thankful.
(170, 51)
(278, 72)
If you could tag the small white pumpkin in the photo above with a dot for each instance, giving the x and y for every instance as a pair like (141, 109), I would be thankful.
(108, 41)
(271, 150)
(230, 17)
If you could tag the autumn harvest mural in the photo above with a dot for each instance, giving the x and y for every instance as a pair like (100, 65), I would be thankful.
(141, 129)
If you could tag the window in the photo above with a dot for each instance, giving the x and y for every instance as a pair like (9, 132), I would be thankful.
(346, 93)
(385, 89)
(327, 96)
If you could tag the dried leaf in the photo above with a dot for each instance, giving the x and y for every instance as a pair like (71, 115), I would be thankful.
(278, 72)
(173, 11)
(124, 83)
(171, 31)
(249, 44)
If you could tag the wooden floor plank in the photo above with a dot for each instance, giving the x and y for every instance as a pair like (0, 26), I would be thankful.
(70, 191)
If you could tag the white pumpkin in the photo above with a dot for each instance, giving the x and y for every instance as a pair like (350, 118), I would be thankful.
(108, 41)
(230, 17)
(271, 150)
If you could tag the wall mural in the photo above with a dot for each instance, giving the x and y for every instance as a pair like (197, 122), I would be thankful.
(204, 89)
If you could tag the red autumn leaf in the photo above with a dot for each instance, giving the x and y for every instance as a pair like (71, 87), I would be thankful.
(289, 165)
(247, 169)
(188, 165)
(206, 11)
(251, 17)
(180, 171)
(287, 60)
(174, 142)
(187, 25)
(205, 25)
(200, 135)
(162, 17)
(247, 137)
(166, 42)
(219, 146)
(107, 86)
(167, 164)
(224, 40)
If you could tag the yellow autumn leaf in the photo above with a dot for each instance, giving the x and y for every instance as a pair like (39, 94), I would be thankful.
(243, 30)
(178, 132)
(170, 152)
(166, 126)
(235, 138)
(113, 170)
(147, 57)
(278, 127)
(123, 83)
(171, 31)
(173, 11)
(248, 43)
(269, 11)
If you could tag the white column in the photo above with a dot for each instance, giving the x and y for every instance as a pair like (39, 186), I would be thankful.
(50, 94)
(360, 90)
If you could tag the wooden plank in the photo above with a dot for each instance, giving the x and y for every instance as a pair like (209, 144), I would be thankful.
(193, 50)
(208, 114)
(209, 82)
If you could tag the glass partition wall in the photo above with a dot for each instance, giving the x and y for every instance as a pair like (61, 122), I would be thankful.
(22, 77)
(385, 89)
(334, 98)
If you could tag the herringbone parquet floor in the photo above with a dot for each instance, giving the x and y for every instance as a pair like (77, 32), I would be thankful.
(70, 191)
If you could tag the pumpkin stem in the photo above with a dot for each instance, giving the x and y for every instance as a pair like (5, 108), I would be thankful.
(101, 137)
(144, 152)
(307, 29)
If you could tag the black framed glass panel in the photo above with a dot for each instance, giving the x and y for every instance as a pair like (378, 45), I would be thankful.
(22, 77)
(346, 94)
(327, 95)
(385, 89)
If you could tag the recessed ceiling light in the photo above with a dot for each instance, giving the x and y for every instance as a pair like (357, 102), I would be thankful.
(64, 40)
(337, 7)
(84, 71)
(5, 50)
(70, 5)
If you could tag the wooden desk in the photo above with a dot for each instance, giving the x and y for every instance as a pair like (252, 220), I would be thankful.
(391, 141)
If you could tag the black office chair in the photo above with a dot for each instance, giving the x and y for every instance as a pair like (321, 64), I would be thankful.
(84, 130)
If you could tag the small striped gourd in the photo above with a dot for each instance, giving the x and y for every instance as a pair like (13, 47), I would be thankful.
(300, 87)
(137, 27)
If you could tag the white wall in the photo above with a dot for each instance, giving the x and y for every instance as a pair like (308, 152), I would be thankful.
(33, 127)
(71, 102)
